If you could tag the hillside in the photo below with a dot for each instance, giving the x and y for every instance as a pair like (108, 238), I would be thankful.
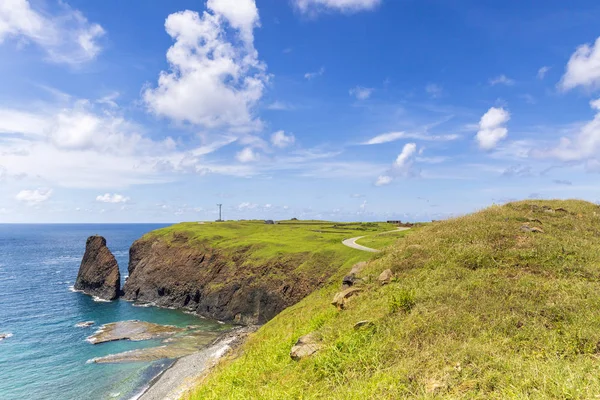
(245, 272)
(481, 306)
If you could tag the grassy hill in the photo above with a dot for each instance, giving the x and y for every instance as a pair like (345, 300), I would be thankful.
(480, 307)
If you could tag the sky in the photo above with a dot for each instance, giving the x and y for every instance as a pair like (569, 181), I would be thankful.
(349, 110)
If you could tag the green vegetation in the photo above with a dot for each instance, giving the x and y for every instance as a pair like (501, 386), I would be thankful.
(262, 241)
(382, 240)
(480, 307)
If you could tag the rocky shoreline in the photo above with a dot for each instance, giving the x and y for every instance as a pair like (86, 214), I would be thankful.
(182, 375)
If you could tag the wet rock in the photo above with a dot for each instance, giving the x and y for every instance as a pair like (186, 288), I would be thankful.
(363, 324)
(99, 274)
(175, 347)
(5, 336)
(340, 299)
(385, 277)
(132, 330)
(306, 346)
(85, 324)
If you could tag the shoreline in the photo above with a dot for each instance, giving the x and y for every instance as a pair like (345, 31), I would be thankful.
(182, 375)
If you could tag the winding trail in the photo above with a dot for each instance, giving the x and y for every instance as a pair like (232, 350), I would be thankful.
(352, 242)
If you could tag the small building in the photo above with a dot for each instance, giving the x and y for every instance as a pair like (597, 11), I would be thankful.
(269, 222)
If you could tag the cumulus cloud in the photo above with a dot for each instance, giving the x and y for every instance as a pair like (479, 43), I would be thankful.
(215, 78)
(66, 38)
(281, 140)
(502, 80)
(402, 166)
(361, 93)
(246, 206)
(347, 6)
(112, 198)
(584, 143)
(247, 155)
(492, 128)
(34, 197)
(583, 68)
(394, 136)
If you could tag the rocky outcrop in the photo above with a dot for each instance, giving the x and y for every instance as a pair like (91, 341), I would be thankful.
(99, 272)
(222, 284)
(341, 298)
(306, 346)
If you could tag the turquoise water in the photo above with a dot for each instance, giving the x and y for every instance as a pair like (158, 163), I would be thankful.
(46, 356)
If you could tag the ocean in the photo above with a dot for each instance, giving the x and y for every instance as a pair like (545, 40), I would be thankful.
(45, 358)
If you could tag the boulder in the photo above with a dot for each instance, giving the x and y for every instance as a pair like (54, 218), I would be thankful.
(340, 299)
(99, 274)
(385, 277)
(306, 346)
(356, 268)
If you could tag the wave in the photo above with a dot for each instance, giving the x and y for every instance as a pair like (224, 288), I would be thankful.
(99, 300)
(144, 305)
(72, 289)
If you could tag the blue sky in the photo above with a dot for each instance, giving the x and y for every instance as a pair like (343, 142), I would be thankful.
(364, 110)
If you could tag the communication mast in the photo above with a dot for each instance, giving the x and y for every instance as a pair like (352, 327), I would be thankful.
(220, 219)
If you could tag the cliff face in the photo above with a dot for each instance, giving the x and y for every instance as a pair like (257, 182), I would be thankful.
(99, 272)
(222, 284)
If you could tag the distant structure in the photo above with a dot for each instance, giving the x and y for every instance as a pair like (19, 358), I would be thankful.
(269, 222)
(220, 219)
(401, 224)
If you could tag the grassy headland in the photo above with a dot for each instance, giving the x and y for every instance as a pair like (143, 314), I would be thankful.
(480, 307)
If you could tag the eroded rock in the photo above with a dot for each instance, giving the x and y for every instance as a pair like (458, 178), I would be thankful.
(99, 274)
(385, 277)
(132, 330)
(306, 346)
(341, 298)
(5, 336)
(85, 324)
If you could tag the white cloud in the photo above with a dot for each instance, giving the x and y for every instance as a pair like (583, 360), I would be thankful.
(33, 197)
(112, 198)
(542, 72)
(247, 155)
(583, 68)
(502, 80)
(241, 15)
(402, 166)
(361, 93)
(383, 180)
(347, 6)
(66, 38)
(393, 136)
(216, 78)
(434, 90)
(279, 106)
(583, 145)
(492, 128)
(312, 75)
(247, 206)
(281, 140)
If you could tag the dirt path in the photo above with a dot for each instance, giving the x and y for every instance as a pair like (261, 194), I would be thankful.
(352, 242)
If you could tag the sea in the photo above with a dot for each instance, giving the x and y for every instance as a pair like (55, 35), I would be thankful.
(45, 355)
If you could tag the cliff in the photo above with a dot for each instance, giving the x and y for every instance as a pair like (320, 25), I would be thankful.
(99, 272)
(242, 272)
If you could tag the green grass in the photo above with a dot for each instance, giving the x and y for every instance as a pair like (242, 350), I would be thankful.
(478, 310)
(380, 241)
(262, 242)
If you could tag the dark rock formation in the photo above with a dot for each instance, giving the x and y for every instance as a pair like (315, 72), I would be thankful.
(221, 284)
(99, 272)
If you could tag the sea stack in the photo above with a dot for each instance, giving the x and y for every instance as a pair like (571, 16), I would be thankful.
(99, 274)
